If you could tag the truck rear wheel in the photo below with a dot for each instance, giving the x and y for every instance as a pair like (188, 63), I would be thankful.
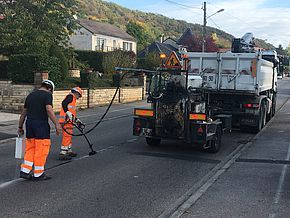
(261, 119)
(273, 108)
(215, 144)
(153, 141)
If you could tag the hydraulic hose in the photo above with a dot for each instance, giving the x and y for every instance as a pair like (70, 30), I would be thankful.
(103, 116)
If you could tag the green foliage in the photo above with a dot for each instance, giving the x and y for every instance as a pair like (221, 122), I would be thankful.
(118, 58)
(31, 26)
(93, 80)
(4, 69)
(71, 82)
(140, 32)
(105, 62)
(61, 55)
(150, 62)
(92, 59)
(21, 68)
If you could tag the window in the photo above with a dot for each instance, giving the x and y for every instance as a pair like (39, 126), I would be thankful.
(101, 44)
(114, 44)
(127, 46)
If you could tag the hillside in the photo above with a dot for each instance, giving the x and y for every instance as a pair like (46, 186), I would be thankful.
(152, 25)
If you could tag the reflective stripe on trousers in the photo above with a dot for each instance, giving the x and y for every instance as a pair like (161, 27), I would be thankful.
(36, 153)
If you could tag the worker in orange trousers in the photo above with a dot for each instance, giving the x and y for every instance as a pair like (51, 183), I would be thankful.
(67, 117)
(37, 109)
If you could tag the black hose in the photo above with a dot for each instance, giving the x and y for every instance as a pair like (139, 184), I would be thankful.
(103, 116)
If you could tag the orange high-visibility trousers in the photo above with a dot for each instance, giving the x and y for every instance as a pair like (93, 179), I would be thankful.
(67, 138)
(36, 153)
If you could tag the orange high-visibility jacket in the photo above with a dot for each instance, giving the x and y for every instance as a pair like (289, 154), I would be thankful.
(71, 107)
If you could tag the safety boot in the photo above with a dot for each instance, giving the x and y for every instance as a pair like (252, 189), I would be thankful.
(41, 178)
(25, 175)
(64, 156)
(71, 153)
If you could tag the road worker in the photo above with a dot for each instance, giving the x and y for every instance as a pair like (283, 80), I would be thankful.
(67, 117)
(37, 109)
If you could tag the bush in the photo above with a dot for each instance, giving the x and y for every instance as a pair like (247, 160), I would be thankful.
(105, 62)
(125, 59)
(3, 69)
(93, 80)
(149, 62)
(21, 68)
(92, 58)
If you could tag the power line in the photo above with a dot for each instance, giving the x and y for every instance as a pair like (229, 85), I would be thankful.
(186, 6)
(214, 23)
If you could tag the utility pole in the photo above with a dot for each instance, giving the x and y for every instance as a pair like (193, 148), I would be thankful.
(203, 27)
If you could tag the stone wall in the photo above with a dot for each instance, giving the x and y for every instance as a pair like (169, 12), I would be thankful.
(12, 96)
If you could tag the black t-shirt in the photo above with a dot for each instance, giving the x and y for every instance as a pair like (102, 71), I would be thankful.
(36, 102)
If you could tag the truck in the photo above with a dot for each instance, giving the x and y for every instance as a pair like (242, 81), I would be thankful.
(206, 96)
(241, 84)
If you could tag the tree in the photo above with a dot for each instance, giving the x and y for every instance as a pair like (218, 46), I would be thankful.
(139, 31)
(118, 58)
(34, 26)
(280, 50)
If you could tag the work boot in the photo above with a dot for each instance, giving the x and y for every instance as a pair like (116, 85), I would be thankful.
(25, 175)
(72, 154)
(64, 156)
(41, 178)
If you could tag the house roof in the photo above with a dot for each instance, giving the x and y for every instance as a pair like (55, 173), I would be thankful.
(105, 29)
(186, 34)
(158, 47)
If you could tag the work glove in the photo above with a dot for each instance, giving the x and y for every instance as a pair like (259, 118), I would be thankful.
(79, 123)
(70, 116)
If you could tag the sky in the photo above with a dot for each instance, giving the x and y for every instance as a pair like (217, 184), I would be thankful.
(266, 19)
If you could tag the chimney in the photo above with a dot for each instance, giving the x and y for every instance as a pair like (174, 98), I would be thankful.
(161, 38)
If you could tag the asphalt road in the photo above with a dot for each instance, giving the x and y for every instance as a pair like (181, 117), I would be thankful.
(126, 178)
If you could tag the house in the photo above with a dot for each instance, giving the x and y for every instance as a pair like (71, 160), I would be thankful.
(166, 47)
(97, 36)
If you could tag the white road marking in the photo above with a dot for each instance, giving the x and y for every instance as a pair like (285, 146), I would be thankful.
(280, 187)
(131, 140)
(5, 184)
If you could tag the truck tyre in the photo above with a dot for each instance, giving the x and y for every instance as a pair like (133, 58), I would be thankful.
(215, 144)
(273, 108)
(153, 141)
(261, 118)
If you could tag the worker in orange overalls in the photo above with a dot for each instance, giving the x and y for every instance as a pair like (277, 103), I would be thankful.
(67, 117)
(37, 109)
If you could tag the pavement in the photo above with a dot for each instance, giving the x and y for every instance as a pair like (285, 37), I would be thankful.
(8, 125)
(253, 183)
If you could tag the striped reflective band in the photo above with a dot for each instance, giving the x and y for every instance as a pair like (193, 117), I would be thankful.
(37, 174)
(25, 170)
(70, 106)
(38, 167)
(197, 117)
(62, 117)
(28, 163)
(143, 112)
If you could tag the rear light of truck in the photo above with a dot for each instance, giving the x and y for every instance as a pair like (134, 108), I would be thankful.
(252, 106)
(200, 130)
(144, 112)
(198, 117)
